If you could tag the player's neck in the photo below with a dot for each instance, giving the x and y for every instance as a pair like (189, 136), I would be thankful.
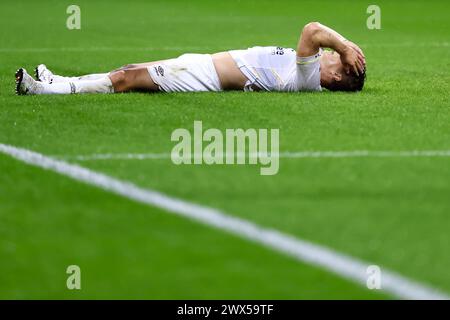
(325, 78)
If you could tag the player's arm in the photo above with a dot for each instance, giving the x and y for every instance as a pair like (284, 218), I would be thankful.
(315, 36)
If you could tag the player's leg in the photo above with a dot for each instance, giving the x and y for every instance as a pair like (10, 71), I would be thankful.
(117, 81)
(132, 79)
(26, 85)
(43, 74)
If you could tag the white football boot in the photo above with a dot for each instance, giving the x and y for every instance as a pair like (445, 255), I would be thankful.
(26, 85)
(42, 74)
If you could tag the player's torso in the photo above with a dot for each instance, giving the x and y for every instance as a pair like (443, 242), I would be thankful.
(274, 67)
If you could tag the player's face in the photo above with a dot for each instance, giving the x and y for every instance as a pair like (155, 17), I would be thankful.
(334, 63)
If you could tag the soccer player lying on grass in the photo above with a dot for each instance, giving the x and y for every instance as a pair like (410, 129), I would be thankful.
(309, 68)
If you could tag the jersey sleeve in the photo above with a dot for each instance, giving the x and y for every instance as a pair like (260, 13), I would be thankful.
(308, 72)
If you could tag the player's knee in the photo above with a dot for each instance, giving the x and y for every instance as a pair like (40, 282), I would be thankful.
(118, 76)
(119, 79)
(128, 80)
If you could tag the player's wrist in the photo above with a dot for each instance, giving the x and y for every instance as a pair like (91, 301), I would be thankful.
(342, 48)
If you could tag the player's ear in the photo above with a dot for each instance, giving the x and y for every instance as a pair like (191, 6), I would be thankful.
(337, 76)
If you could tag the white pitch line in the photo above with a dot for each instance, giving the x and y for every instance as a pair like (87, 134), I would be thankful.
(286, 155)
(326, 258)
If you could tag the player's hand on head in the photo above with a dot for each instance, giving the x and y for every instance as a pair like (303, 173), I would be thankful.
(358, 50)
(352, 60)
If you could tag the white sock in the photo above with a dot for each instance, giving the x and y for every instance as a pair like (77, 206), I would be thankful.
(94, 76)
(101, 85)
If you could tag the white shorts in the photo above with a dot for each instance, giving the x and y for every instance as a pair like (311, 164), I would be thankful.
(187, 73)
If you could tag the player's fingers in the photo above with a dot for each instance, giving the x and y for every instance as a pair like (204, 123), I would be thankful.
(362, 60)
(360, 55)
(359, 62)
(355, 69)
(360, 66)
(362, 52)
(359, 50)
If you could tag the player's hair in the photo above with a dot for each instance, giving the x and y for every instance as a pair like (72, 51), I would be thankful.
(349, 82)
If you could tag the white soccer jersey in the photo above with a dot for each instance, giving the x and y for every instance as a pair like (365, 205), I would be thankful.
(278, 69)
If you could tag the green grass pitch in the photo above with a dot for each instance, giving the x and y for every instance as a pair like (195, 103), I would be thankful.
(393, 211)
